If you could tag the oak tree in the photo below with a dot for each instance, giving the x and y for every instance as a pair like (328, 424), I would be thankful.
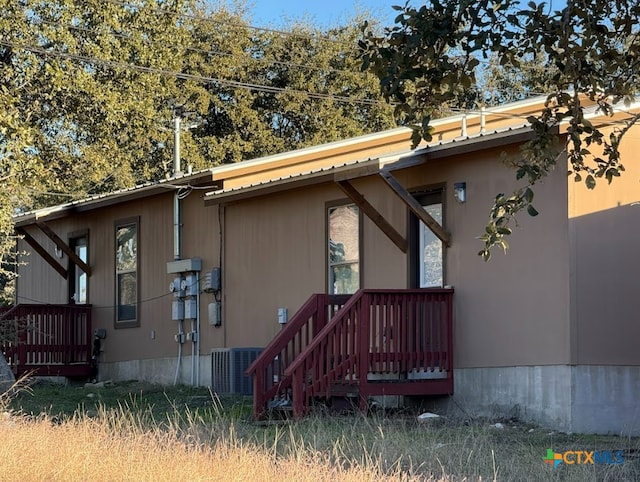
(436, 49)
(89, 89)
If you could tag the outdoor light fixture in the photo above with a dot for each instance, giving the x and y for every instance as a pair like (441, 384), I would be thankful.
(460, 191)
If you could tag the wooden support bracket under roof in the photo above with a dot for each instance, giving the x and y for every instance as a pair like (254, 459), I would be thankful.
(415, 207)
(373, 214)
(73, 257)
(42, 252)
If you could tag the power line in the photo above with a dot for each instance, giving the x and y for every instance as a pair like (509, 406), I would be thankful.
(197, 78)
(203, 79)
(192, 49)
(219, 22)
(113, 307)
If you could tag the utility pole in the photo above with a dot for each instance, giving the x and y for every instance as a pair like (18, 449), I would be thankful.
(177, 170)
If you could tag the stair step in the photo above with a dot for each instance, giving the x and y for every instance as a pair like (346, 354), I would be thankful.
(345, 388)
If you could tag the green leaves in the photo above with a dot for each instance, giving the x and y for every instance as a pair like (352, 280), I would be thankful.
(88, 91)
(586, 54)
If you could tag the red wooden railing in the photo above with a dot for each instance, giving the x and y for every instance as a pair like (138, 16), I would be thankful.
(51, 340)
(404, 333)
(270, 384)
(394, 342)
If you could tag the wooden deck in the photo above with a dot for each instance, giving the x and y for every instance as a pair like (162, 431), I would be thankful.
(377, 342)
(47, 340)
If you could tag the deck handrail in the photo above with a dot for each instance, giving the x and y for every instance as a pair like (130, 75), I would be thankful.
(354, 343)
(268, 369)
(50, 339)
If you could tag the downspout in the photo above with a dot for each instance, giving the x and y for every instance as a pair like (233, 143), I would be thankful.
(179, 340)
(176, 227)
(176, 198)
(197, 346)
(193, 353)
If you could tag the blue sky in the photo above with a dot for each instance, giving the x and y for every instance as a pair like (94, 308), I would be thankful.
(323, 13)
(328, 13)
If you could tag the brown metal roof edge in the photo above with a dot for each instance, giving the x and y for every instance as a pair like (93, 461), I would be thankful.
(115, 197)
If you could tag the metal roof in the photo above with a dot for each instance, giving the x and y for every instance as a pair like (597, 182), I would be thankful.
(217, 174)
(114, 197)
(391, 161)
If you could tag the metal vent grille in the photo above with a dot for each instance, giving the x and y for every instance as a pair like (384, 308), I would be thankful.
(227, 370)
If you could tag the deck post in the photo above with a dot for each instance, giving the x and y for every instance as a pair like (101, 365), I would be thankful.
(364, 319)
(258, 390)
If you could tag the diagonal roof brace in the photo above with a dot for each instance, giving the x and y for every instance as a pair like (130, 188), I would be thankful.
(73, 257)
(415, 207)
(42, 252)
(373, 214)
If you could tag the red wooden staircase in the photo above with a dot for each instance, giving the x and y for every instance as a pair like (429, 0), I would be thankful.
(376, 342)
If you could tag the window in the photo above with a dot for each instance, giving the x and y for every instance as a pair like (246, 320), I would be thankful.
(426, 260)
(127, 265)
(78, 279)
(430, 251)
(343, 249)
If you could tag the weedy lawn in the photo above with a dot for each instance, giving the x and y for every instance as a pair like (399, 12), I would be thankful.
(143, 432)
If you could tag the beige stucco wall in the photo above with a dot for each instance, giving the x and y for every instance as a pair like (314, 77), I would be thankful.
(605, 239)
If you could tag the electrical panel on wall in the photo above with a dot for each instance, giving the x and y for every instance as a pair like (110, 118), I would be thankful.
(176, 287)
(177, 310)
(190, 309)
(212, 281)
(215, 317)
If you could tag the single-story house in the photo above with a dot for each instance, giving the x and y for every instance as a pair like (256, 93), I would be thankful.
(351, 269)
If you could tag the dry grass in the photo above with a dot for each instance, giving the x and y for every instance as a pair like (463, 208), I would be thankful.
(218, 441)
(114, 447)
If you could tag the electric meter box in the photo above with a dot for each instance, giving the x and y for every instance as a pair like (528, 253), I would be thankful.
(177, 310)
(190, 310)
(175, 287)
(191, 285)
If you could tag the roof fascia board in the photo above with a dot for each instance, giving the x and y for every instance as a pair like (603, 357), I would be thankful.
(393, 162)
(240, 194)
(311, 154)
(456, 147)
(105, 200)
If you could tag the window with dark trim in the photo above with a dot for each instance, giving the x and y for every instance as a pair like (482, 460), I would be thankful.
(343, 227)
(127, 266)
(78, 279)
(426, 257)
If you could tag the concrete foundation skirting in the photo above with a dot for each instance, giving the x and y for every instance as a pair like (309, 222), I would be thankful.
(582, 399)
(157, 370)
(606, 399)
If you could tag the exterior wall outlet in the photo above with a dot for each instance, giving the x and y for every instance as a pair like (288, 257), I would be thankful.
(283, 315)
